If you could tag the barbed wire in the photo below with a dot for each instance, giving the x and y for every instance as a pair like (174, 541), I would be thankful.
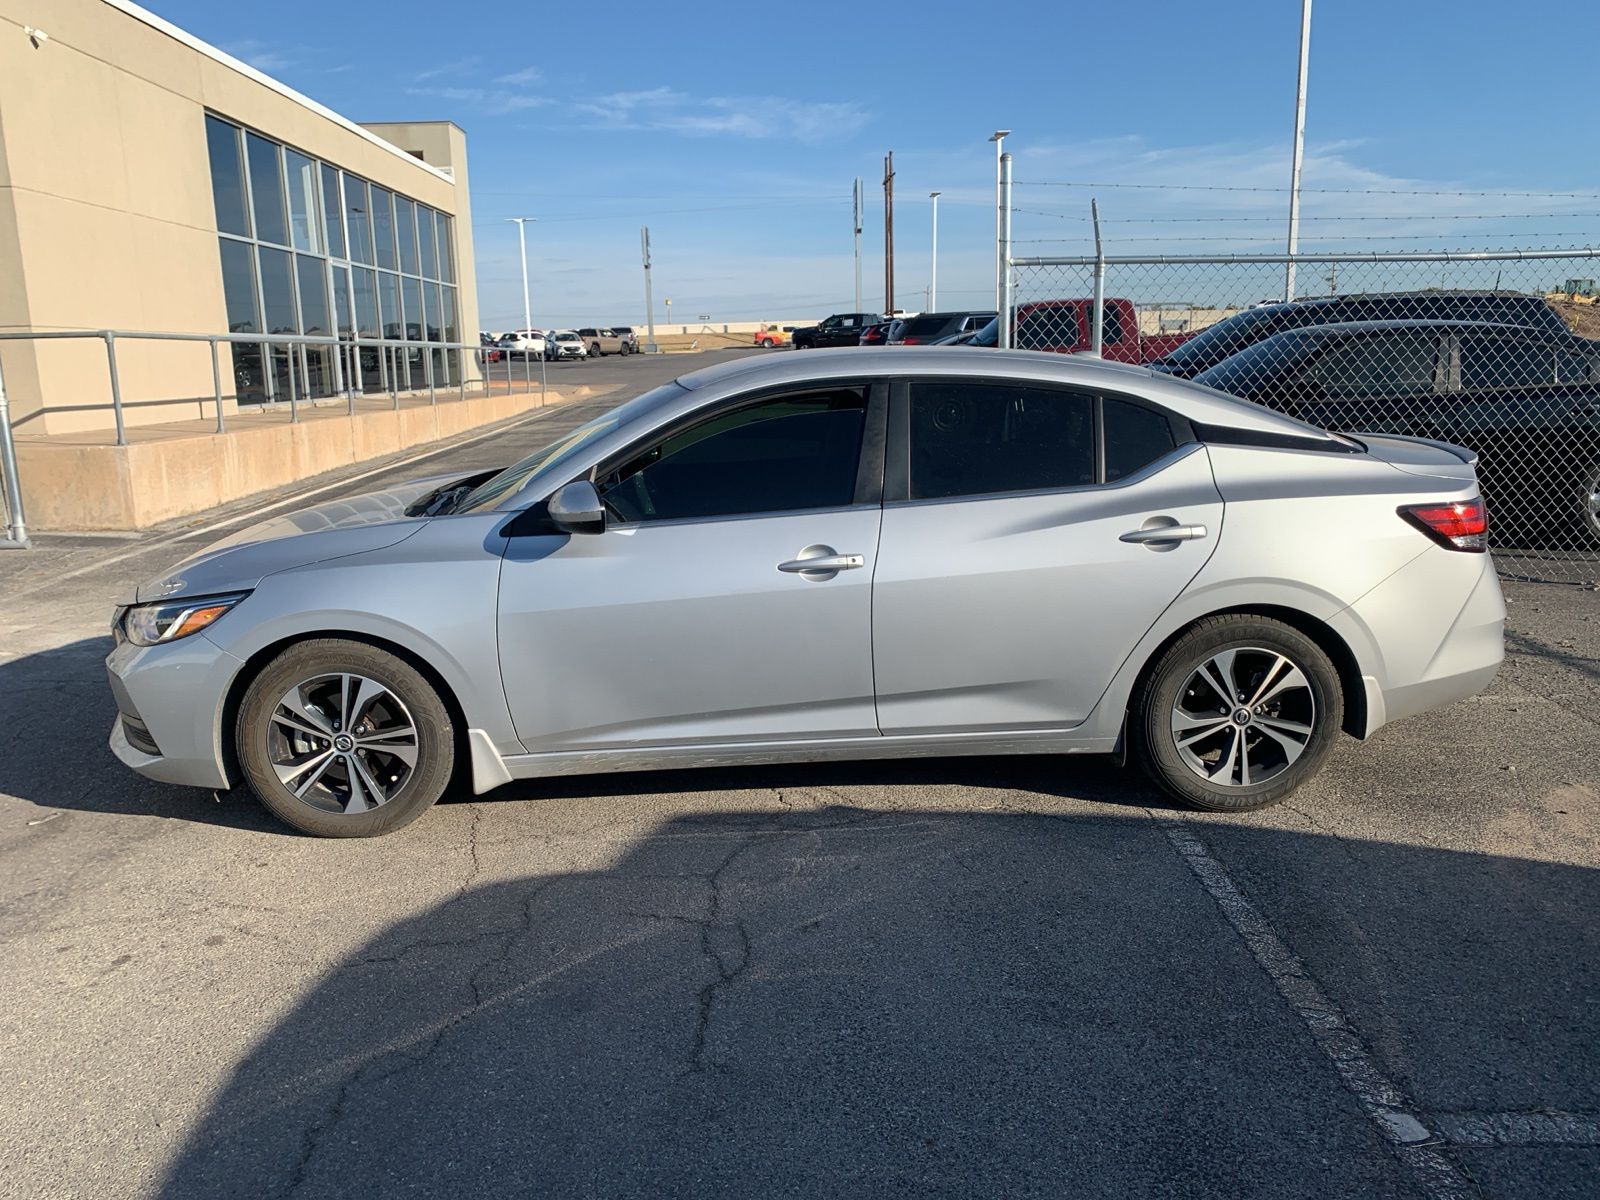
(1278, 217)
(1327, 237)
(1214, 187)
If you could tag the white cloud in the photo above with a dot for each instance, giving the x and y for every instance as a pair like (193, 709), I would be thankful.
(519, 78)
(453, 67)
(670, 111)
(493, 101)
(263, 56)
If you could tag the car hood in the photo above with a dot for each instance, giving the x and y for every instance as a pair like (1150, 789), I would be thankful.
(354, 525)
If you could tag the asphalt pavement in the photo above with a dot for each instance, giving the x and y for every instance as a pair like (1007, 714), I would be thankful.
(942, 977)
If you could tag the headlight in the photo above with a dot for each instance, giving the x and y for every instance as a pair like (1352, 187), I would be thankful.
(169, 620)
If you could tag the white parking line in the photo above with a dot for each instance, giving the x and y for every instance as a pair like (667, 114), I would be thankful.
(1519, 1128)
(1384, 1101)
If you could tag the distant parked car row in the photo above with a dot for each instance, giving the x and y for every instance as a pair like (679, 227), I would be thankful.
(560, 344)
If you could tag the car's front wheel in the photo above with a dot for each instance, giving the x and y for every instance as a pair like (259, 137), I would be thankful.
(1589, 503)
(342, 739)
(1237, 713)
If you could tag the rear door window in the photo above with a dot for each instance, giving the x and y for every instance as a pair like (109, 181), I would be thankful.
(1048, 327)
(1490, 361)
(1385, 362)
(981, 438)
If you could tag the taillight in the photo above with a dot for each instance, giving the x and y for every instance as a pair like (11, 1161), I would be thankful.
(911, 341)
(1458, 525)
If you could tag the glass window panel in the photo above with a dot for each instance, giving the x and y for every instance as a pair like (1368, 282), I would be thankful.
(389, 304)
(227, 177)
(364, 284)
(413, 300)
(383, 226)
(266, 189)
(430, 299)
(1135, 436)
(277, 290)
(343, 322)
(313, 295)
(1389, 363)
(975, 439)
(305, 211)
(447, 262)
(452, 332)
(358, 217)
(239, 287)
(426, 242)
(333, 211)
(405, 224)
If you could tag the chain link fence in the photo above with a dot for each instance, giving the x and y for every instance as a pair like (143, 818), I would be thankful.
(1494, 351)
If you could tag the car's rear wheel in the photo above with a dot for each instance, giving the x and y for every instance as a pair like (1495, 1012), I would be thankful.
(1589, 503)
(342, 739)
(595, 350)
(1237, 713)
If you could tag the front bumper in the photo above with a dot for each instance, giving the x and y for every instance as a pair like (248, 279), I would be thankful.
(170, 700)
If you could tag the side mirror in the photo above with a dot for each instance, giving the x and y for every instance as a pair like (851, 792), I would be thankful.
(576, 508)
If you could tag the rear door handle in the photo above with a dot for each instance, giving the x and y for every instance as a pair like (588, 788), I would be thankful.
(1164, 533)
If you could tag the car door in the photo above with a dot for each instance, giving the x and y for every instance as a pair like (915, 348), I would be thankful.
(1022, 554)
(695, 617)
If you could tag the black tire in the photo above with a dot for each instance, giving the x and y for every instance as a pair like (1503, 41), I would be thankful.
(256, 731)
(594, 350)
(1173, 681)
(1588, 499)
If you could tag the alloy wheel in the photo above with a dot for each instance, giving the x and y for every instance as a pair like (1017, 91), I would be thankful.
(342, 743)
(1243, 717)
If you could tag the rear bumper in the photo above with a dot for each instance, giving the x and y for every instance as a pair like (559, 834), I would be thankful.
(1435, 632)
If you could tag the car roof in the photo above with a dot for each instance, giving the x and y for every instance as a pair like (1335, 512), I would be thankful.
(1337, 327)
(1192, 401)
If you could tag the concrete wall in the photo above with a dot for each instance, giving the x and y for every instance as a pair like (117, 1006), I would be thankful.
(106, 217)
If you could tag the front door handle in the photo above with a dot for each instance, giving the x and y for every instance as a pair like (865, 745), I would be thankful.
(1164, 533)
(822, 562)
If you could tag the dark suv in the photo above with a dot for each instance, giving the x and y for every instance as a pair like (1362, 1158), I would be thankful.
(1527, 402)
(1233, 334)
(928, 328)
(841, 329)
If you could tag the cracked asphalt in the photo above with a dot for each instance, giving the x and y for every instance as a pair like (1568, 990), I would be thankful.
(943, 977)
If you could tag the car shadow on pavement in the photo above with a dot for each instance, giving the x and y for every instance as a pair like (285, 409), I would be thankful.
(844, 1001)
(59, 711)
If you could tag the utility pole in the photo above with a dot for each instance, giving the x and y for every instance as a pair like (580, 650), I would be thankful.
(888, 233)
(1333, 279)
(933, 271)
(998, 137)
(856, 197)
(1299, 148)
(650, 346)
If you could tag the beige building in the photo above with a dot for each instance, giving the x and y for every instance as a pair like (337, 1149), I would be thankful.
(151, 183)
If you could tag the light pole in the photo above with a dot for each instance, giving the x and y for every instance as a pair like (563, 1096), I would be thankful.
(668, 303)
(933, 273)
(1299, 148)
(522, 240)
(998, 137)
(856, 196)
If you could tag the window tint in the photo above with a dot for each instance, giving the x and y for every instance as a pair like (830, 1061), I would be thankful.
(1110, 323)
(427, 244)
(227, 177)
(405, 223)
(793, 452)
(1491, 360)
(1573, 366)
(1047, 327)
(239, 287)
(313, 295)
(358, 208)
(1135, 437)
(383, 226)
(1392, 363)
(972, 439)
(447, 259)
(333, 211)
(277, 291)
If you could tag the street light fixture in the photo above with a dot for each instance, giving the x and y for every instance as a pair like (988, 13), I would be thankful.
(522, 240)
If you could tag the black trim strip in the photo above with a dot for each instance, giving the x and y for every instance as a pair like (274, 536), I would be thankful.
(1223, 435)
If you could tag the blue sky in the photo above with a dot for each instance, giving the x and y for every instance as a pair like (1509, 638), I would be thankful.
(735, 131)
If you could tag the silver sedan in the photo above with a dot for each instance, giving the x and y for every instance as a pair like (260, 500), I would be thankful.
(831, 556)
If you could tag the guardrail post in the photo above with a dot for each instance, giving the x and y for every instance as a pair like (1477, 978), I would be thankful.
(216, 382)
(16, 523)
(294, 406)
(116, 386)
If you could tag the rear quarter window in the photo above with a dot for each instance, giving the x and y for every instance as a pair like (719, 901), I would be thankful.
(1135, 437)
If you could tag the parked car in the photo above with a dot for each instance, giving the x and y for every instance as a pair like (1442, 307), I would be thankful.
(773, 336)
(601, 342)
(815, 572)
(1063, 327)
(841, 329)
(524, 343)
(489, 348)
(926, 328)
(877, 334)
(566, 344)
(1232, 334)
(630, 340)
(1527, 403)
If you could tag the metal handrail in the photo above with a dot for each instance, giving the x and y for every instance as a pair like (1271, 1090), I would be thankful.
(110, 337)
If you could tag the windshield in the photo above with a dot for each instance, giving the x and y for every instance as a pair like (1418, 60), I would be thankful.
(566, 337)
(1228, 336)
(1255, 371)
(989, 335)
(497, 487)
